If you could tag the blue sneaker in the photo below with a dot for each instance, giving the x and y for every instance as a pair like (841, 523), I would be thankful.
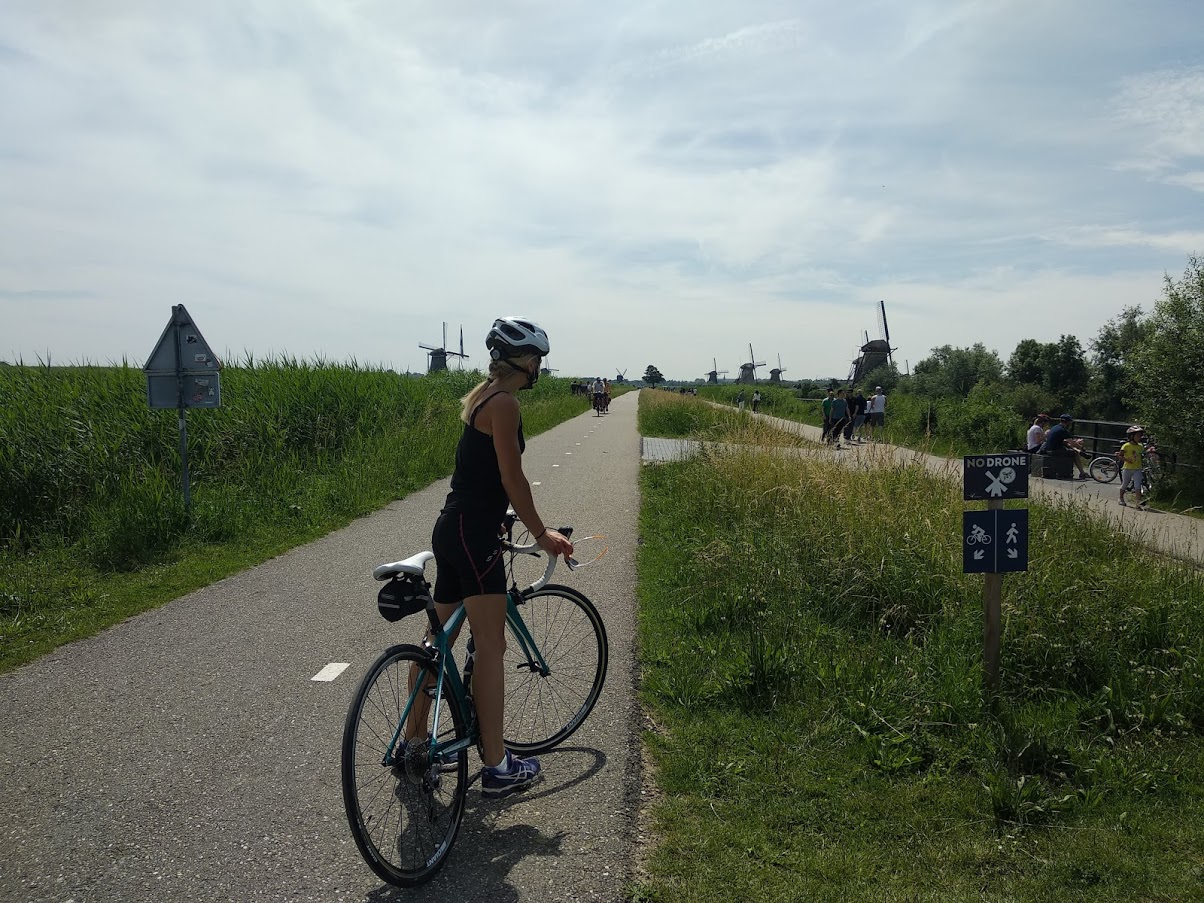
(511, 776)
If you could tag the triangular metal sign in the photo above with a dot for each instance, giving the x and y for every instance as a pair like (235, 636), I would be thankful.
(193, 349)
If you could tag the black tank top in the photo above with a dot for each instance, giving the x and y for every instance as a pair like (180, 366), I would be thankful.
(476, 484)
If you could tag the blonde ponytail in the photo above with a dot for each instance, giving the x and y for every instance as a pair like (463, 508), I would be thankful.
(498, 370)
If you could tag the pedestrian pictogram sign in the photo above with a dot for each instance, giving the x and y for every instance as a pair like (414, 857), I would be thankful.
(995, 477)
(995, 541)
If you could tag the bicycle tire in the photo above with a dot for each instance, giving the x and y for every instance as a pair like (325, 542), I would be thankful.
(422, 801)
(1103, 469)
(543, 711)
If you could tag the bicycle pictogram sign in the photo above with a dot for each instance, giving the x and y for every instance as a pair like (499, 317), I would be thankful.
(994, 541)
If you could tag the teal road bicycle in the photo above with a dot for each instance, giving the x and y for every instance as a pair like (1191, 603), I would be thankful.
(404, 798)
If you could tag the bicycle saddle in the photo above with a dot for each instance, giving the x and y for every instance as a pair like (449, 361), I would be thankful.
(415, 565)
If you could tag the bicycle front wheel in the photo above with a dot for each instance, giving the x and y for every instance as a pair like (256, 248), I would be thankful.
(544, 709)
(403, 805)
(1104, 469)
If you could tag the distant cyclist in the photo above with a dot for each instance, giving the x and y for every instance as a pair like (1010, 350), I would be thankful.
(605, 395)
(468, 549)
(596, 391)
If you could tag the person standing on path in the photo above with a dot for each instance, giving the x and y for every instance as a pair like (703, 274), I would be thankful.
(826, 407)
(877, 412)
(740, 400)
(855, 416)
(466, 542)
(1131, 473)
(859, 404)
(840, 415)
(756, 400)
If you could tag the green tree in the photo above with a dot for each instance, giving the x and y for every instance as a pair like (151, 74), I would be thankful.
(1112, 392)
(652, 376)
(1066, 370)
(954, 372)
(1026, 365)
(885, 375)
(1060, 368)
(1167, 368)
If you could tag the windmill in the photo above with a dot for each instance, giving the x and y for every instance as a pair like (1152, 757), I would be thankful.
(545, 370)
(620, 376)
(748, 372)
(775, 375)
(714, 373)
(437, 357)
(875, 352)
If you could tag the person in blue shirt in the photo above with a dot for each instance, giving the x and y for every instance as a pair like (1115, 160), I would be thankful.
(1059, 442)
(840, 414)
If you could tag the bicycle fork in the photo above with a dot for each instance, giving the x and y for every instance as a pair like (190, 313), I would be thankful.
(534, 658)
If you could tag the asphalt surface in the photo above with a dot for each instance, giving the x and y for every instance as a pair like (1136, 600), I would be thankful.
(187, 754)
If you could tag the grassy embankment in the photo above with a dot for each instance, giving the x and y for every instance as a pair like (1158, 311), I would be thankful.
(946, 427)
(811, 657)
(92, 524)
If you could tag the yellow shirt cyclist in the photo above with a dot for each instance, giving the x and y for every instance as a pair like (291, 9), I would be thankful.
(1131, 453)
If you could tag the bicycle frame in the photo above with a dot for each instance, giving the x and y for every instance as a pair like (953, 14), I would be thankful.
(450, 676)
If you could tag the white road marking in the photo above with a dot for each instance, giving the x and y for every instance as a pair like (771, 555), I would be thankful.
(331, 671)
(537, 483)
(555, 465)
(568, 453)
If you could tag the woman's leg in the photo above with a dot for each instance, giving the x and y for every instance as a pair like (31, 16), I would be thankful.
(487, 617)
(416, 725)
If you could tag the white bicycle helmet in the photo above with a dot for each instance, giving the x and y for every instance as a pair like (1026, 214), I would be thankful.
(515, 336)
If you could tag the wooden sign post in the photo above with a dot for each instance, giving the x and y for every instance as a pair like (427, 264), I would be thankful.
(994, 542)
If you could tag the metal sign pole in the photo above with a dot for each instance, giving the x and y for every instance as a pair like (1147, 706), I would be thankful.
(176, 317)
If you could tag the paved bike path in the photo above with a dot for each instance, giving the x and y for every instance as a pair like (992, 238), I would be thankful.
(186, 754)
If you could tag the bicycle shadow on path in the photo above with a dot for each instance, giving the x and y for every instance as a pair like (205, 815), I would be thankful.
(480, 875)
(485, 853)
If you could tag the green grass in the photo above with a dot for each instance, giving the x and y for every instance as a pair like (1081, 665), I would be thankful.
(92, 523)
(811, 654)
(945, 428)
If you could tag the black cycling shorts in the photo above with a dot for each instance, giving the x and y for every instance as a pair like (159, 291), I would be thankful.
(468, 557)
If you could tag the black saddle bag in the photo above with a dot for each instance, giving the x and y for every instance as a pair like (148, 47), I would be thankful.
(402, 596)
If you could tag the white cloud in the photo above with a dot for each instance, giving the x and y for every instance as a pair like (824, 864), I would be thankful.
(660, 183)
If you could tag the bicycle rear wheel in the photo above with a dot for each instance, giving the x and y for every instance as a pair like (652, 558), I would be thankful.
(1104, 469)
(543, 710)
(403, 814)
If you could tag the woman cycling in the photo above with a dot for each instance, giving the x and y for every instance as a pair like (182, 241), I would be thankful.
(466, 540)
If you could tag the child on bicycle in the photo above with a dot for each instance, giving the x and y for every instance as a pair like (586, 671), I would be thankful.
(468, 548)
(1131, 455)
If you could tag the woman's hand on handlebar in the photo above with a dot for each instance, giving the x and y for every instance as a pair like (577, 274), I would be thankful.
(555, 543)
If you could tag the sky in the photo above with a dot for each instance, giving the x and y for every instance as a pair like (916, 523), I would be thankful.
(659, 183)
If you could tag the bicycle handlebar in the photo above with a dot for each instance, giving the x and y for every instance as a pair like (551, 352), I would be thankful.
(535, 550)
